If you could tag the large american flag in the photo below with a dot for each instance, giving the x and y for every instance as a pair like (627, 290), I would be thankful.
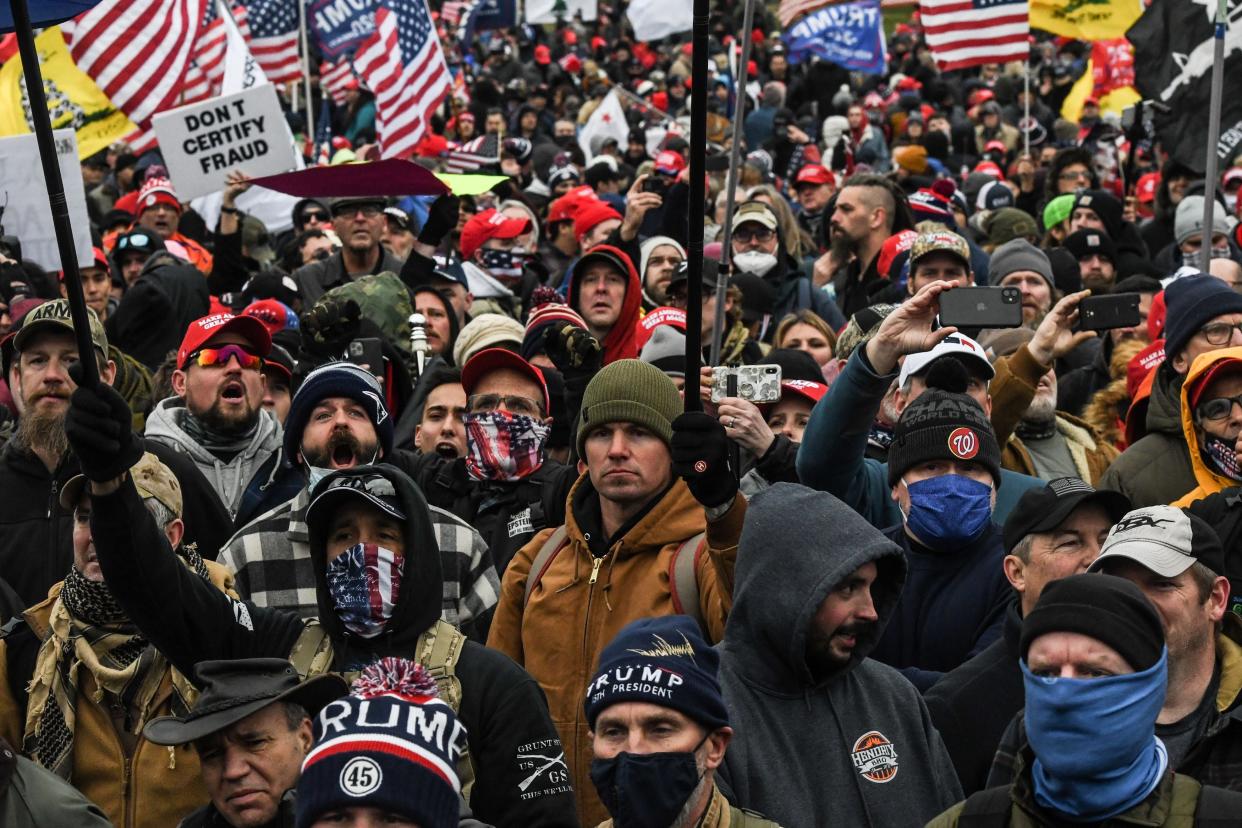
(473, 154)
(274, 38)
(791, 10)
(963, 33)
(205, 74)
(403, 64)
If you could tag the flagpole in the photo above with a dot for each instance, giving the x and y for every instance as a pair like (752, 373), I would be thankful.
(698, 197)
(1209, 176)
(735, 157)
(1026, 108)
(310, 115)
(55, 190)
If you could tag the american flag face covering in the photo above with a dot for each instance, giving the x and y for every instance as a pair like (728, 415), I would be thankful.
(503, 446)
(364, 582)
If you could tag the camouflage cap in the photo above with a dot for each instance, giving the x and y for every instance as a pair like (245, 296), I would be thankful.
(151, 478)
(383, 299)
(55, 315)
(939, 241)
(861, 327)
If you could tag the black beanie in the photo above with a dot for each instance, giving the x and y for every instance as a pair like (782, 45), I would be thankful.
(942, 425)
(1109, 609)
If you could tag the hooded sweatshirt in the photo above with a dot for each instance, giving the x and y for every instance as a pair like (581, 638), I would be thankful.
(155, 311)
(856, 747)
(647, 248)
(1156, 469)
(228, 479)
(622, 340)
(1210, 481)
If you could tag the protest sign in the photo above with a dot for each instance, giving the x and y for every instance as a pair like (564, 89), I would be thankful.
(339, 26)
(850, 35)
(204, 141)
(27, 213)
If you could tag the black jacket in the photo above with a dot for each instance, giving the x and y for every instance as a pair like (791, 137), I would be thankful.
(1076, 388)
(317, 278)
(972, 705)
(502, 707)
(155, 311)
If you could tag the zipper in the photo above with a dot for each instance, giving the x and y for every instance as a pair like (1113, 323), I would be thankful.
(594, 577)
(126, 797)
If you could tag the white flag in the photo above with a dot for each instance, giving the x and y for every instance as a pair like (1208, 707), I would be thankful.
(241, 70)
(654, 19)
(607, 119)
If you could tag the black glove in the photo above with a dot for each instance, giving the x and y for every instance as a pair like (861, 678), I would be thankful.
(701, 457)
(100, 428)
(329, 327)
(572, 348)
(441, 219)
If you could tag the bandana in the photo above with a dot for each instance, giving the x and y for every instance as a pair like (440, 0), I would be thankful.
(503, 446)
(505, 265)
(364, 582)
(1223, 458)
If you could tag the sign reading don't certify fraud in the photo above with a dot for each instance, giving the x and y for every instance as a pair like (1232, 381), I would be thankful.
(202, 142)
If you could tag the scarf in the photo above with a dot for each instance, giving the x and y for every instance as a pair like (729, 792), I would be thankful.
(1028, 430)
(1223, 458)
(223, 446)
(90, 631)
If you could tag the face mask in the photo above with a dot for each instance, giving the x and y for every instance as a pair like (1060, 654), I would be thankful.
(505, 265)
(1097, 754)
(316, 473)
(643, 790)
(754, 261)
(1223, 457)
(503, 446)
(364, 582)
(949, 510)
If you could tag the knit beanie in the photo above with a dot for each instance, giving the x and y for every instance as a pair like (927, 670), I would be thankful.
(942, 425)
(337, 379)
(662, 661)
(1083, 243)
(544, 315)
(1109, 609)
(590, 215)
(1058, 210)
(1188, 220)
(1105, 205)
(487, 330)
(911, 158)
(391, 744)
(1016, 255)
(666, 350)
(630, 391)
(1009, 223)
(648, 247)
(1191, 302)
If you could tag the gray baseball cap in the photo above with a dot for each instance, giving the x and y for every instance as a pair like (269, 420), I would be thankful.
(1164, 539)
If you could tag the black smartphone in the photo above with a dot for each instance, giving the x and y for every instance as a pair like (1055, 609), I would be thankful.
(1102, 313)
(367, 352)
(657, 184)
(981, 307)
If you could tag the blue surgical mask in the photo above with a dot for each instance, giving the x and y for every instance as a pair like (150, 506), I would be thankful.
(949, 510)
(1096, 752)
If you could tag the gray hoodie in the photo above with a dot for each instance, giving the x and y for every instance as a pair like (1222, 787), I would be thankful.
(857, 748)
(229, 480)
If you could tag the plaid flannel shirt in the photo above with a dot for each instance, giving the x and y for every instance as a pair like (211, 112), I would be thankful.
(270, 560)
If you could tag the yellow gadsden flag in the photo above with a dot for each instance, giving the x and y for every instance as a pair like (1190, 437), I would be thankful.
(73, 99)
(1085, 19)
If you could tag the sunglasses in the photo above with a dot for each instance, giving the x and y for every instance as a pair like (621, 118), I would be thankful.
(133, 240)
(212, 357)
(314, 215)
(744, 235)
(1219, 408)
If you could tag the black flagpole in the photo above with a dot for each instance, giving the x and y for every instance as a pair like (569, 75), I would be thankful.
(55, 188)
(698, 196)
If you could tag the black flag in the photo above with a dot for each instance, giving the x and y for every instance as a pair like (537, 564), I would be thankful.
(1173, 52)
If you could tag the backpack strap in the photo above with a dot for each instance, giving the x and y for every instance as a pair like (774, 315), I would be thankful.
(543, 559)
(312, 651)
(438, 649)
(986, 809)
(683, 578)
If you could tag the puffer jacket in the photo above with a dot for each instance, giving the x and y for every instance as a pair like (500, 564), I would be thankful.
(567, 607)
(228, 479)
(151, 787)
(1156, 469)
(1209, 481)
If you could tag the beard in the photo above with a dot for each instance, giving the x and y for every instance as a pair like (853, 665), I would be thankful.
(1043, 408)
(230, 424)
(42, 430)
(841, 245)
(819, 653)
(342, 449)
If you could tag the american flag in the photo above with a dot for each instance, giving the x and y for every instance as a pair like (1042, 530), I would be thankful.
(274, 41)
(473, 154)
(403, 64)
(334, 76)
(964, 33)
(791, 10)
(137, 51)
(210, 49)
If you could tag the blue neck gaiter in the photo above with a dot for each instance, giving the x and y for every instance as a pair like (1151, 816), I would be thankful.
(1096, 751)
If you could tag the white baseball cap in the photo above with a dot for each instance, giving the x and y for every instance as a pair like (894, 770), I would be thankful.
(955, 343)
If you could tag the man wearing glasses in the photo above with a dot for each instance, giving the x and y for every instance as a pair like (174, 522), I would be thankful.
(217, 416)
(1204, 315)
(359, 224)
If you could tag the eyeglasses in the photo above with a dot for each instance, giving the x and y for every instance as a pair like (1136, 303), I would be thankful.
(483, 403)
(746, 234)
(1218, 408)
(1069, 175)
(212, 357)
(314, 215)
(1220, 333)
(350, 210)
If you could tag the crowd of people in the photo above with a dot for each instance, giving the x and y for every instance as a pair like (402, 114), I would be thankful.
(400, 516)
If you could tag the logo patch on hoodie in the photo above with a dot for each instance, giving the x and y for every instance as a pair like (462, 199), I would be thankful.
(875, 757)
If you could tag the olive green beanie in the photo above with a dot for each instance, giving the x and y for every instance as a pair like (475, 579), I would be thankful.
(630, 391)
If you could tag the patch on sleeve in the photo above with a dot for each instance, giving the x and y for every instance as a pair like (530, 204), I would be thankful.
(543, 769)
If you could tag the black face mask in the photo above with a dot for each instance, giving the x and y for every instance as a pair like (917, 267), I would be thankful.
(645, 790)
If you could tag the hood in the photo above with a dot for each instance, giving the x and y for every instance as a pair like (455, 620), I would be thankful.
(644, 252)
(781, 581)
(1209, 480)
(165, 418)
(419, 602)
(622, 340)
(1164, 411)
(668, 518)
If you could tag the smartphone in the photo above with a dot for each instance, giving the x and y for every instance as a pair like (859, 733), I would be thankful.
(981, 307)
(755, 383)
(1102, 313)
(367, 352)
(657, 184)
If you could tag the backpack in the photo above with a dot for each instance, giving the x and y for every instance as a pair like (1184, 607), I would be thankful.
(682, 576)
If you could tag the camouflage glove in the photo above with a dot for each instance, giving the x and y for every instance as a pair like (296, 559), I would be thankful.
(330, 325)
(572, 349)
(441, 219)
